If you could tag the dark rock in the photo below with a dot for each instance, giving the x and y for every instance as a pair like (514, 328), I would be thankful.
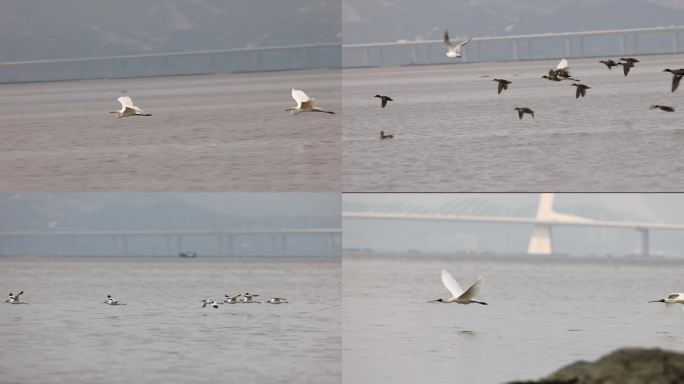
(624, 366)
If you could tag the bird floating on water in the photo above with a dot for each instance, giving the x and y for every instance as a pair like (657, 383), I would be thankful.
(15, 299)
(384, 100)
(458, 294)
(672, 298)
(665, 108)
(677, 75)
(128, 109)
(304, 103)
(503, 85)
(112, 301)
(523, 110)
(581, 90)
(383, 136)
(609, 63)
(454, 51)
(277, 300)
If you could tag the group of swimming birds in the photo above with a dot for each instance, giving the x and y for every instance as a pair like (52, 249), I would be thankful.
(560, 73)
(467, 296)
(246, 299)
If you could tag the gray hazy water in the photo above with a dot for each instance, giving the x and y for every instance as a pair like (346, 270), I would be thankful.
(454, 133)
(66, 333)
(542, 314)
(226, 132)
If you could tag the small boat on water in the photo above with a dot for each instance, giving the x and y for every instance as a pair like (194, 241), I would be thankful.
(187, 254)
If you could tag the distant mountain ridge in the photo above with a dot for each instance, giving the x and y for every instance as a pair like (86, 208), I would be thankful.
(32, 30)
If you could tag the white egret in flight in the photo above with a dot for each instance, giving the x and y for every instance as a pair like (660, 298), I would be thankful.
(304, 103)
(128, 109)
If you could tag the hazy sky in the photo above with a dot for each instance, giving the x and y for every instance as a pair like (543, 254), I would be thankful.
(44, 29)
(441, 237)
(39, 211)
(392, 20)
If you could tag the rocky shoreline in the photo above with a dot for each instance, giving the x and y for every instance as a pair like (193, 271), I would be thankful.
(623, 366)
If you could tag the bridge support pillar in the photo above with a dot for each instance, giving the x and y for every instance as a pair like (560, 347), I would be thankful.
(516, 50)
(167, 240)
(623, 44)
(568, 46)
(645, 241)
(675, 42)
(540, 242)
(179, 244)
(125, 249)
(221, 245)
(231, 248)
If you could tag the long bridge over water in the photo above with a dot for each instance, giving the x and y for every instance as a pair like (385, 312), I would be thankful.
(637, 41)
(120, 243)
(545, 220)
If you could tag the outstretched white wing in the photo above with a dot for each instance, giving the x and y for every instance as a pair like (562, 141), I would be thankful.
(473, 290)
(463, 43)
(563, 64)
(451, 284)
(300, 97)
(126, 101)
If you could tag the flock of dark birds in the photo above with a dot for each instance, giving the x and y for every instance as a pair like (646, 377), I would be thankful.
(562, 73)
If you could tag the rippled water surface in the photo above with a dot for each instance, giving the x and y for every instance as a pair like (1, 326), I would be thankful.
(67, 335)
(452, 132)
(542, 314)
(224, 132)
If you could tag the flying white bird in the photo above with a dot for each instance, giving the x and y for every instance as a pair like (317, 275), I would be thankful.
(231, 299)
(458, 295)
(454, 51)
(277, 300)
(247, 298)
(209, 302)
(14, 299)
(128, 109)
(112, 301)
(304, 103)
(671, 299)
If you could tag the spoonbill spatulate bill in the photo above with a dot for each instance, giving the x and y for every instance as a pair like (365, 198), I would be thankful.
(458, 294)
(671, 299)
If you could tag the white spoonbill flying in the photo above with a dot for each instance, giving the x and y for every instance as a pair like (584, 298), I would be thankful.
(671, 299)
(458, 294)
(454, 50)
(128, 109)
(14, 299)
(304, 103)
(112, 301)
